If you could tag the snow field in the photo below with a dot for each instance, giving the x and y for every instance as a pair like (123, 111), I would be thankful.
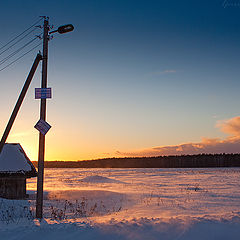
(129, 204)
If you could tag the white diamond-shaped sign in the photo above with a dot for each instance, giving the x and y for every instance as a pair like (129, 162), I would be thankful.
(42, 126)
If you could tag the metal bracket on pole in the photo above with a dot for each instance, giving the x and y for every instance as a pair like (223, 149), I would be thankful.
(19, 101)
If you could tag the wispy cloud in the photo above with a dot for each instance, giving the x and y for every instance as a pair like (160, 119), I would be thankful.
(208, 145)
(230, 126)
(231, 3)
(167, 71)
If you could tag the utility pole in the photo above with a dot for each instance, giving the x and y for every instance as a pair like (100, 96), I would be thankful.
(19, 101)
(41, 151)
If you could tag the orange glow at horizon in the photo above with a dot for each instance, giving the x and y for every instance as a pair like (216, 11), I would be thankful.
(56, 150)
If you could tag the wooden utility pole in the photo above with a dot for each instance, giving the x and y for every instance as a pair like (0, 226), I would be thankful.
(19, 101)
(41, 151)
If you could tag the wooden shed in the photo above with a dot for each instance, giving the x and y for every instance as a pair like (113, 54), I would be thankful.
(15, 168)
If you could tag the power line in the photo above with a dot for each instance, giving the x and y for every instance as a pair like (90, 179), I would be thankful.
(20, 34)
(20, 57)
(17, 51)
(17, 41)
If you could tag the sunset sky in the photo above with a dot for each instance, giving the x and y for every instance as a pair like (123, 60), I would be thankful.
(135, 78)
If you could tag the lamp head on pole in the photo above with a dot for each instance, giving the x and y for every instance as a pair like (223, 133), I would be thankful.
(64, 29)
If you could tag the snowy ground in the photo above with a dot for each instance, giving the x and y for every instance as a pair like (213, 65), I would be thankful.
(129, 204)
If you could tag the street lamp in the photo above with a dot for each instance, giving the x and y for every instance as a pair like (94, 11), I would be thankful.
(41, 151)
(63, 29)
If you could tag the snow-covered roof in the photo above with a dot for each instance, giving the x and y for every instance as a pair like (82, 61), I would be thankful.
(14, 161)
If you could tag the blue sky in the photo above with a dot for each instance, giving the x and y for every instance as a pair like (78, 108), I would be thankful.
(133, 75)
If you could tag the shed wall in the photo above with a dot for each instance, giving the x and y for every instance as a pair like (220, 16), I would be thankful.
(13, 187)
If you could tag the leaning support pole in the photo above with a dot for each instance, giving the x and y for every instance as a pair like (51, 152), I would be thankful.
(19, 101)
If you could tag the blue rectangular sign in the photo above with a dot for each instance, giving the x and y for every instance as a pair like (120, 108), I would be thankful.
(43, 93)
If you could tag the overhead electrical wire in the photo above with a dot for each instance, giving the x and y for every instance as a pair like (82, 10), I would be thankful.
(14, 41)
(20, 34)
(17, 51)
(20, 57)
(17, 41)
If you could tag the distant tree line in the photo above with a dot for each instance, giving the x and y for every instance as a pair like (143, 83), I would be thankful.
(182, 161)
